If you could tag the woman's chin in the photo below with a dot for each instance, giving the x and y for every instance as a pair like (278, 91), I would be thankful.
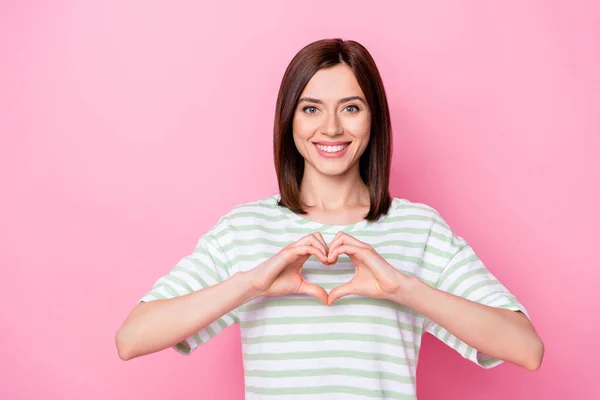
(331, 170)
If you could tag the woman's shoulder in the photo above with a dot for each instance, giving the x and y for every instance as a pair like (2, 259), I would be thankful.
(403, 206)
(245, 214)
(403, 209)
(261, 207)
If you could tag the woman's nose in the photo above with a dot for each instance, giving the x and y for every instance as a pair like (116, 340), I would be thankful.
(332, 126)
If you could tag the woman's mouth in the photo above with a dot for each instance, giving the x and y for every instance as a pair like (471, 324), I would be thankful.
(332, 150)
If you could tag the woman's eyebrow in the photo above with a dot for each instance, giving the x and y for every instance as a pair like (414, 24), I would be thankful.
(317, 101)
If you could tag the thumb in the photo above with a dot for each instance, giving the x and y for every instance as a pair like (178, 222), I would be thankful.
(313, 290)
(340, 291)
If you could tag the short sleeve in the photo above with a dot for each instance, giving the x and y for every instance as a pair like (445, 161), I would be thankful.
(207, 265)
(465, 275)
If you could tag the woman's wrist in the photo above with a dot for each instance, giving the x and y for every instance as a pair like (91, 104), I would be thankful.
(408, 288)
(245, 286)
(240, 285)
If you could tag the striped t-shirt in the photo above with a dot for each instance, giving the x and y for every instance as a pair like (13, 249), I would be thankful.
(295, 347)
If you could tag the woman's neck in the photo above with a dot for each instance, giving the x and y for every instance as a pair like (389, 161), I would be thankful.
(334, 193)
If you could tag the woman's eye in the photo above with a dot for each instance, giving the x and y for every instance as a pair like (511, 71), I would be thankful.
(351, 108)
(310, 110)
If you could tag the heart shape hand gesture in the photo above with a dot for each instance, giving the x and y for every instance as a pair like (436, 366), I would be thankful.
(373, 277)
(282, 274)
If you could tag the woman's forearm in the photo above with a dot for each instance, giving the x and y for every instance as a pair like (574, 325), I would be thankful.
(500, 333)
(159, 324)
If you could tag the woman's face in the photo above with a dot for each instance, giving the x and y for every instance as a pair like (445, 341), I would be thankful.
(332, 121)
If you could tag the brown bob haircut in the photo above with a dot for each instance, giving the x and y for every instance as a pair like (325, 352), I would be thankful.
(375, 163)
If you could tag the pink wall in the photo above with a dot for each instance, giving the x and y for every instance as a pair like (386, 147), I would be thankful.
(127, 128)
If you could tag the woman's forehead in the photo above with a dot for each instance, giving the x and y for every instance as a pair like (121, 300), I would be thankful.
(332, 84)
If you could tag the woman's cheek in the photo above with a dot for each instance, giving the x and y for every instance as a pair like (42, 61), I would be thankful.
(358, 128)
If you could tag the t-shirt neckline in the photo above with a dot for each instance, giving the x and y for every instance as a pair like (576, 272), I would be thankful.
(320, 227)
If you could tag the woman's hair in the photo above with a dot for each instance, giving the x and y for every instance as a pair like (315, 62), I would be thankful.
(375, 163)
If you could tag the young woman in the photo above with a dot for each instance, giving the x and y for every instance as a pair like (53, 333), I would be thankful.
(332, 280)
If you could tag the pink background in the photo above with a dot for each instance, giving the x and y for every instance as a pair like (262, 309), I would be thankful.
(127, 129)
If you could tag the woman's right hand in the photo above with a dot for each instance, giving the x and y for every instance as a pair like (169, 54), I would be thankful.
(281, 274)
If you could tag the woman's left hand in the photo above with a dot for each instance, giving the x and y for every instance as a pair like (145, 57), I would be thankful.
(373, 277)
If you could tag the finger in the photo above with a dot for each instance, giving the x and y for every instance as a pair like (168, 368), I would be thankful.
(304, 250)
(322, 240)
(343, 238)
(313, 290)
(304, 240)
(316, 239)
(335, 240)
(349, 249)
(338, 292)
(313, 240)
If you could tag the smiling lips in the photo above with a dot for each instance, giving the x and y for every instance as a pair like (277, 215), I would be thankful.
(331, 149)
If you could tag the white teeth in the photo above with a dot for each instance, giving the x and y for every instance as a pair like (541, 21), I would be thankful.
(332, 149)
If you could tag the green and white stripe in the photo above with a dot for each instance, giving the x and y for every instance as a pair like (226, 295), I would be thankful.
(294, 347)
